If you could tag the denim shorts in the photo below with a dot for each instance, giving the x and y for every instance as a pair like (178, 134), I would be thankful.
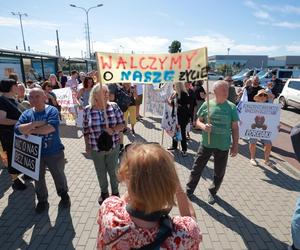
(263, 141)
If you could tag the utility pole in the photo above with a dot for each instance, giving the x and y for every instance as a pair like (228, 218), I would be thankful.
(20, 17)
(57, 41)
(88, 25)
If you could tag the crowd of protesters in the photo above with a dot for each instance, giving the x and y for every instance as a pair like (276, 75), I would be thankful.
(32, 108)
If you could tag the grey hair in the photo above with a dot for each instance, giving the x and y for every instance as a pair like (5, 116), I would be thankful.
(95, 90)
(220, 83)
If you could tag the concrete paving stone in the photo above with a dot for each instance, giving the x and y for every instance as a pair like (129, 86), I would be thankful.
(91, 244)
(83, 238)
(224, 241)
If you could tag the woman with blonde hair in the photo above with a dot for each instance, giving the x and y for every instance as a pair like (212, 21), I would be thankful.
(103, 140)
(139, 220)
(179, 101)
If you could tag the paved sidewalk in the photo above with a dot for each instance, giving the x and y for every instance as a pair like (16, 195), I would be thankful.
(253, 212)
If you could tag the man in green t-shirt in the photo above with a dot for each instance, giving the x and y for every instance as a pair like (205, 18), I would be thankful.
(222, 124)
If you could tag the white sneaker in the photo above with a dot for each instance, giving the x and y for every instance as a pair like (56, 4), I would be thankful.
(253, 162)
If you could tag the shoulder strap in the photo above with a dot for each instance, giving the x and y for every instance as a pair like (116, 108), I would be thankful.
(165, 231)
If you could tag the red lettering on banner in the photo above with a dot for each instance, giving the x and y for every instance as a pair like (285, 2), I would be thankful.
(162, 62)
(106, 64)
(153, 62)
(141, 64)
(189, 59)
(175, 60)
(121, 61)
(131, 63)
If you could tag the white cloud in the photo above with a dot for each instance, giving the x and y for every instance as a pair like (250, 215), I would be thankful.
(14, 22)
(287, 9)
(162, 14)
(218, 44)
(140, 44)
(262, 14)
(288, 25)
(293, 48)
(251, 4)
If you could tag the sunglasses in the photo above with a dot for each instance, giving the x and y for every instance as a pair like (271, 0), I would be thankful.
(49, 86)
(263, 95)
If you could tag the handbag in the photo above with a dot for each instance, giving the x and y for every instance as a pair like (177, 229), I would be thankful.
(104, 142)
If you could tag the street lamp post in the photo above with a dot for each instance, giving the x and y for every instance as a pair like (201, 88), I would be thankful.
(20, 17)
(87, 22)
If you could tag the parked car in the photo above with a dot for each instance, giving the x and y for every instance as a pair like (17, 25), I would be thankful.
(214, 76)
(282, 74)
(246, 73)
(290, 95)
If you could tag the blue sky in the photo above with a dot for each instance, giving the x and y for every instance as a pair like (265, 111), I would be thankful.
(265, 27)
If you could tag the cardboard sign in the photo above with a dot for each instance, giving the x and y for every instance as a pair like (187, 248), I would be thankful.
(153, 68)
(259, 120)
(26, 155)
(155, 98)
(65, 97)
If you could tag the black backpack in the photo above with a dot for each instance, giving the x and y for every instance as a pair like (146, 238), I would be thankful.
(123, 99)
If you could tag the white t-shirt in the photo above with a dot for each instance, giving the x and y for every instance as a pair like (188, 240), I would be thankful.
(139, 89)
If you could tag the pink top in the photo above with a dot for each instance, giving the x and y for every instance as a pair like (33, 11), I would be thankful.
(117, 230)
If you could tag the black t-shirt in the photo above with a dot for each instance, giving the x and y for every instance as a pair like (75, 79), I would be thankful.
(183, 108)
(10, 106)
(252, 91)
(198, 90)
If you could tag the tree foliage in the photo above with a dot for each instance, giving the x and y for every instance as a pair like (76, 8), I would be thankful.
(175, 47)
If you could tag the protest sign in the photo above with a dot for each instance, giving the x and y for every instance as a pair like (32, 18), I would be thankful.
(26, 155)
(155, 98)
(152, 68)
(259, 120)
(66, 98)
(169, 117)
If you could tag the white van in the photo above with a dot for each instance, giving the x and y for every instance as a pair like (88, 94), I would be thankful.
(282, 74)
(290, 95)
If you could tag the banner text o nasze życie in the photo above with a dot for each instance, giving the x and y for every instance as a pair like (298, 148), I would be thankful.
(153, 68)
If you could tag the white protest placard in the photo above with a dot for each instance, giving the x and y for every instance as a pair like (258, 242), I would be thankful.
(26, 155)
(259, 120)
(156, 98)
(64, 97)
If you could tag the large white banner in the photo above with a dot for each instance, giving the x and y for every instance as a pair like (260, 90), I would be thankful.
(153, 68)
(26, 155)
(259, 120)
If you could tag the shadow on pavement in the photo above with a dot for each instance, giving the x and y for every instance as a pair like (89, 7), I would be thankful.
(73, 132)
(280, 179)
(149, 125)
(4, 181)
(155, 119)
(26, 229)
(240, 224)
(134, 137)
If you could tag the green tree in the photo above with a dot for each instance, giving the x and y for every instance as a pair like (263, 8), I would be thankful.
(175, 47)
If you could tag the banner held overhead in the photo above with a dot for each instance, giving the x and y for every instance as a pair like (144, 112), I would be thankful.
(153, 68)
